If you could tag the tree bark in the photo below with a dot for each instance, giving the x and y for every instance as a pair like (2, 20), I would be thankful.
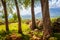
(6, 15)
(33, 15)
(19, 19)
(46, 19)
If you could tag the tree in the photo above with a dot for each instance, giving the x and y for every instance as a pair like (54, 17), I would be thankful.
(46, 19)
(6, 16)
(15, 17)
(10, 6)
(33, 15)
(28, 3)
(19, 19)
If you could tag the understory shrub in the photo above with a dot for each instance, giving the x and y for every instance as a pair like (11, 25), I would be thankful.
(52, 38)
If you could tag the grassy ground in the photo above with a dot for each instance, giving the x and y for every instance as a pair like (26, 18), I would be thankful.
(25, 28)
(14, 26)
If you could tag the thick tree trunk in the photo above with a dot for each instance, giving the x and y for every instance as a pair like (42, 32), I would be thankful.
(33, 15)
(19, 19)
(6, 16)
(46, 19)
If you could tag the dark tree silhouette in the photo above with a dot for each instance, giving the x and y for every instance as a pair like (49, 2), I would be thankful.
(19, 18)
(46, 19)
(33, 15)
(5, 12)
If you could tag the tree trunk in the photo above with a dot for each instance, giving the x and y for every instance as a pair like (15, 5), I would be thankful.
(19, 19)
(6, 16)
(46, 19)
(33, 15)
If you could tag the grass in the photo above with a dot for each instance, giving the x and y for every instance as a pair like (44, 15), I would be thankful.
(25, 28)
(2, 27)
(14, 26)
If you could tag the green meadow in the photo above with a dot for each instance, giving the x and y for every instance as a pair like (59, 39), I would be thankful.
(14, 26)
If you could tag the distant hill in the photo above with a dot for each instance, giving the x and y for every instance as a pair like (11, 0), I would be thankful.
(26, 16)
(39, 15)
(54, 12)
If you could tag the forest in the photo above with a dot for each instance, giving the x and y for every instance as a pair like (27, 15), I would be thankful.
(14, 26)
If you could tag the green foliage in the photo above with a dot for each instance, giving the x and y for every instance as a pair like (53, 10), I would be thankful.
(53, 20)
(56, 25)
(15, 16)
(26, 3)
(57, 35)
(2, 33)
(10, 6)
(3, 16)
(26, 37)
(11, 20)
(52, 38)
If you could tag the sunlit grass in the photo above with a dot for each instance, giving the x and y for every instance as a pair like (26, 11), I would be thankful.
(14, 26)
(2, 27)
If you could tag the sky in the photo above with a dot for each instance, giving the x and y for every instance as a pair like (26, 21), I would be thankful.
(54, 6)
